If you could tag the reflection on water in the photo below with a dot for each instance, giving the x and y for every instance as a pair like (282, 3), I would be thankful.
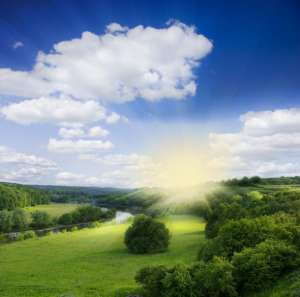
(122, 216)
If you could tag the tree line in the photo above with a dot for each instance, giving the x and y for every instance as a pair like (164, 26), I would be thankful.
(14, 196)
(19, 220)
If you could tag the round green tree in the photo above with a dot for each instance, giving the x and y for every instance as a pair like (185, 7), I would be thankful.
(146, 236)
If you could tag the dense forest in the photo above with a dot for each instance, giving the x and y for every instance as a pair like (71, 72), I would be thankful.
(14, 195)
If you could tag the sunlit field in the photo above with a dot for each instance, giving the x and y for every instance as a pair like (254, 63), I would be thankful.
(54, 209)
(90, 262)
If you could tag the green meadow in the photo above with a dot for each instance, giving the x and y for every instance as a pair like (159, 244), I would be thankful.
(89, 262)
(54, 209)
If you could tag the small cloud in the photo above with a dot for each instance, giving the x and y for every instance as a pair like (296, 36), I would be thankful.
(18, 44)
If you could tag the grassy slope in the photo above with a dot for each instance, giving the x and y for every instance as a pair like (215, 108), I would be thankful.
(91, 262)
(54, 209)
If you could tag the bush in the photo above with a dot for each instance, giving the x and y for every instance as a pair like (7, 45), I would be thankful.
(6, 222)
(256, 268)
(84, 214)
(214, 279)
(146, 235)
(151, 278)
(41, 219)
(20, 219)
(19, 237)
(47, 233)
(73, 229)
(3, 238)
(65, 219)
(29, 234)
(95, 225)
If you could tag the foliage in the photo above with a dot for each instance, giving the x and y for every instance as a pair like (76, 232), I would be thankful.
(41, 219)
(20, 219)
(235, 235)
(256, 268)
(66, 219)
(29, 234)
(214, 279)
(17, 196)
(147, 236)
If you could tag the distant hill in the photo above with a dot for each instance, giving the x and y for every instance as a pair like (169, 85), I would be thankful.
(78, 194)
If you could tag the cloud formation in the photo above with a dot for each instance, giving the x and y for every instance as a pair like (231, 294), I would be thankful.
(77, 146)
(21, 167)
(61, 110)
(268, 144)
(118, 66)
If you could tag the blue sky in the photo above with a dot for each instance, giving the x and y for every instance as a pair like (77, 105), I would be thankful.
(247, 61)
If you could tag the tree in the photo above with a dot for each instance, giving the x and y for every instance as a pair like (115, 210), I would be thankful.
(41, 219)
(147, 236)
(20, 219)
(5, 221)
(87, 213)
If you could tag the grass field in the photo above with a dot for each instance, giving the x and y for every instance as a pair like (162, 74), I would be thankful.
(90, 262)
(54, 209)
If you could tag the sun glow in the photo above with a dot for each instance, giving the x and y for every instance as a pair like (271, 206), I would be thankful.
(184, 169)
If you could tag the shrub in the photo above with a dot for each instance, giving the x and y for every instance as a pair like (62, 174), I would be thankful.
(6, 222)
(95, 225)
(47, 233)
(178, 282)
(256, 268)
(29, 234)
(20, 219)
(84, 214)
(65, 219)
(214, 279)
(3, 238)
(41, 219)
(151, 278)
(73, 229)
(146, 235)
(19, 236)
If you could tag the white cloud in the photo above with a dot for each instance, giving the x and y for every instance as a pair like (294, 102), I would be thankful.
(268, 144)
(77, 146)
(18, 44)
(70, 132)
(97, 131)
(93, 132)
(121, 65)
(60, 110)
(21, 167)
(9, 156)
(113, 118)
(272, 122)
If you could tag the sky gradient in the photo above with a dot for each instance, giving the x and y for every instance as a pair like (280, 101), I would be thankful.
(101, 92)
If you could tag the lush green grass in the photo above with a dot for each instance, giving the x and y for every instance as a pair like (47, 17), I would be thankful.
(54, 209)
(90, 262)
